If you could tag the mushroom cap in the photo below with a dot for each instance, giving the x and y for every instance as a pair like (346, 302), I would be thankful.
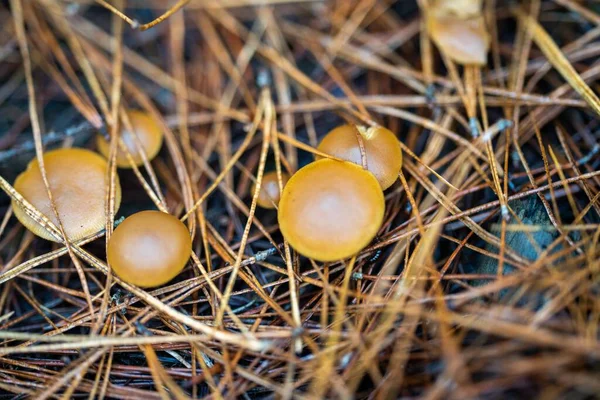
(147, 131)
(149, 248)
(269, 194)
(330, 210)
(384, 155)
(459, 8)
(78, 182)
(466, 41)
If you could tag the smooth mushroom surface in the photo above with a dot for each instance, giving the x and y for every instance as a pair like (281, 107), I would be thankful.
(149, 248)
(269, 194)
(330, 210)
(458, 29)
(78, 182)
(460, 8)
(148, 133)
(466, 41)
(382, 149)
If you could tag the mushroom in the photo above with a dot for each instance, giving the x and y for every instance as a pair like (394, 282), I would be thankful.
(148, 133)
(149, 248)
(269, 189)
(330, 210)
(382, 149)
(460, 8)
(458, 28)
(78, 181)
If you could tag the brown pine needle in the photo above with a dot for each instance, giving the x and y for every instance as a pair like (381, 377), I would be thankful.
(560, 62)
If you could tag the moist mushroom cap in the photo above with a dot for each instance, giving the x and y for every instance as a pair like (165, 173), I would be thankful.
(78, 182)
(269, 194)
(148, 133)
(149, 248)
(330, 210)
(459, 8)
(384, 155)
(466, 41)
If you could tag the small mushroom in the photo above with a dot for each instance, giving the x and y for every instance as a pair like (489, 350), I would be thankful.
(148, 133)
(382, 149)
(78, 181)
(269, 189)
(459, 8)
(330, 210)
(149, 248)
(458, 28)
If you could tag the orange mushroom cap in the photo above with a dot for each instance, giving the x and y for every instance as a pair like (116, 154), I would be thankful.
(78, 182)
(384, 155)
(459, 8)
(466, 41)
(149, 248)
(269, 194)
(458, 29)
(146, 130)
(330, 210)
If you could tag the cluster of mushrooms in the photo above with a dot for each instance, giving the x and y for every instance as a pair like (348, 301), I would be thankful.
(329, 210)
(149, 248)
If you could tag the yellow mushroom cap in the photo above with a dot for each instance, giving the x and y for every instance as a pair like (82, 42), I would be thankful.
(458, 28)
(330, 210)
(269, 194)
(78, 182)
(460, 8)
(149, 248)
(384, 155)
(147, 131)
